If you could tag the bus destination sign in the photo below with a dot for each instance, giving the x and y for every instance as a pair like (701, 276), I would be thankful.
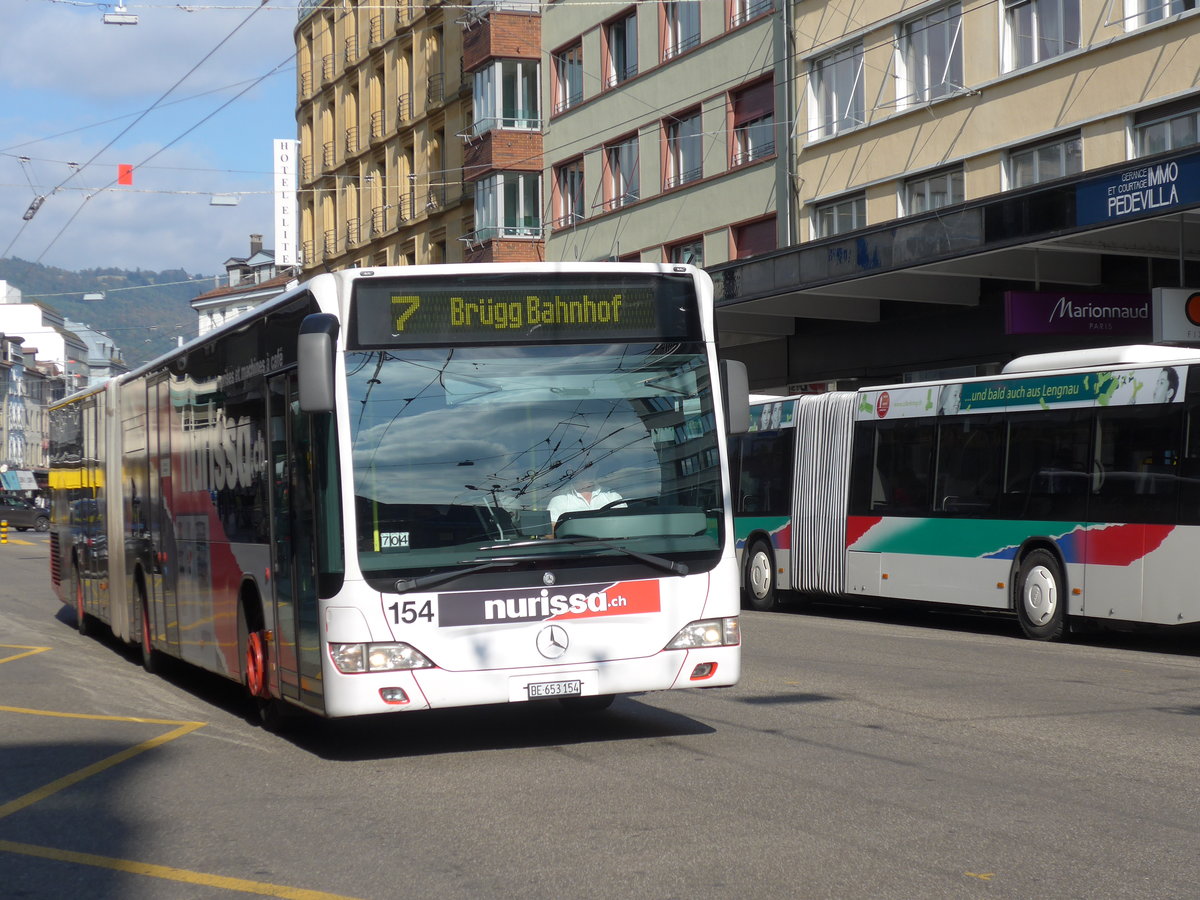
(474, 311)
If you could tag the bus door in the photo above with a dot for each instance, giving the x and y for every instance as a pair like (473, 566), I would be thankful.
(163, 574)
(126, 620)
(87, 512)
(293, 543)
(1134, 572)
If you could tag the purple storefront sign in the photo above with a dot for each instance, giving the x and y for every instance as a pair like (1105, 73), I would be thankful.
(1126, 315)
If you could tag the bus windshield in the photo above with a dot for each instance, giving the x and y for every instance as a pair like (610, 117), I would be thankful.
(469, 454)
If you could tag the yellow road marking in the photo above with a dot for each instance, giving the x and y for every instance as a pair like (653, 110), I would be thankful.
(54, 714)
(13, 540)
(169, 873)
(29, 651)
(67, 781)
(982, 876)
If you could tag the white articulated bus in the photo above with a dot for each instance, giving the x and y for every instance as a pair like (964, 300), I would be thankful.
(1067, 487)
(372, 494)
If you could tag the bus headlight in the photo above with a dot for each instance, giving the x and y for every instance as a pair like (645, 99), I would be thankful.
(707, 633)
(352, 658)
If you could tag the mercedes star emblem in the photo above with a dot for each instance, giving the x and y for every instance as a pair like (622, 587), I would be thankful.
(552, 641)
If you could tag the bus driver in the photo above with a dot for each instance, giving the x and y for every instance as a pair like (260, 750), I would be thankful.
(585, 493)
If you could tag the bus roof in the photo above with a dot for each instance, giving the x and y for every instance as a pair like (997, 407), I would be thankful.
(1097, 357)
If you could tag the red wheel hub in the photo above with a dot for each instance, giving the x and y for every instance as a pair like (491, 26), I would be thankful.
(256, 665)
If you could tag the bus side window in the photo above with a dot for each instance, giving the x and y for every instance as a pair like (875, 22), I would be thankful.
(1049, 456)
(1189, 466)
(1137, 479)
(900, 473)
(766, 473)
(969, 465)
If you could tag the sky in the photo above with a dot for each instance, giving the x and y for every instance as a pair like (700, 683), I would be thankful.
(175, 96)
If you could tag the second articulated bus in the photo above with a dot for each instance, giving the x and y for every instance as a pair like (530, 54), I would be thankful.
(1066, 488)
(371, 494)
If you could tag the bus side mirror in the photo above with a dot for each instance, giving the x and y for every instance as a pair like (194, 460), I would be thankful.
(314, 354)
(736, 383)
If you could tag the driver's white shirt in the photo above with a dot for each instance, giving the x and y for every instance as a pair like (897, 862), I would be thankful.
(574, 501)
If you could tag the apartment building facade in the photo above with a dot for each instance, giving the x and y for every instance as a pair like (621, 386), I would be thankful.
(663, 142)
(381, 98)
(509, 131)
(952, 156)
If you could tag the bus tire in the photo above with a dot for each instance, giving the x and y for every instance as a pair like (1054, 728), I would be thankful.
(83, 622)
(151, 660)
(274, 715)
(1041, 602)
(758, 582)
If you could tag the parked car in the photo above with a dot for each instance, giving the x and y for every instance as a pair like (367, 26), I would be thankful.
(23, 515)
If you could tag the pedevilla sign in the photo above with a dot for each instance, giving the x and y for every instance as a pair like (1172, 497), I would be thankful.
(1141, 190)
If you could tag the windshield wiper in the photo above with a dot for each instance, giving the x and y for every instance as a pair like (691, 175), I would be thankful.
(661, 562)
(403, 585)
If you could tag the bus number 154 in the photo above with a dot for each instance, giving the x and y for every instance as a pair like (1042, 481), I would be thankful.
(407, 611)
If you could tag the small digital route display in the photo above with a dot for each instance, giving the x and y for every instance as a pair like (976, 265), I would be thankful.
(548, 308)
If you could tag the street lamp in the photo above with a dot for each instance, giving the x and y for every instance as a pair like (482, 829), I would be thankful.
(120, 16)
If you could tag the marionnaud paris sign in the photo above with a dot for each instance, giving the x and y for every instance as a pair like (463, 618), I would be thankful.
(1029, 312)
(1140, 190)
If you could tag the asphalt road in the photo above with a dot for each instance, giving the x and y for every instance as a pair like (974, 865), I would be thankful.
(864, 755)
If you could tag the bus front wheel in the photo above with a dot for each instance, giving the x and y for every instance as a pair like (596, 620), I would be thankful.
(759, 580)
(1041, 603)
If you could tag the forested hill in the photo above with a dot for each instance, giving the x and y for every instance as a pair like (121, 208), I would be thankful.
(143, 311)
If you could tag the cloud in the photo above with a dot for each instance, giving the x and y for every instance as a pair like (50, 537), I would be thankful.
(66, 99)
(69, 50)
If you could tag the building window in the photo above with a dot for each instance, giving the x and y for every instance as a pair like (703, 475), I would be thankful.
(1043, 162)
(1167, 127)
(507, 205)
(569, 197)
(933, 191)
(683, 150)
(622, 58)
(681, 20)
(687, 252)
(742, 11)
(753, 123)
(568, 77)
(754, 238)
(1143, 12)
(506, 96)
(1036, 30)
(836, 89)
(840, 216)
(931, 56)
(621, 184)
